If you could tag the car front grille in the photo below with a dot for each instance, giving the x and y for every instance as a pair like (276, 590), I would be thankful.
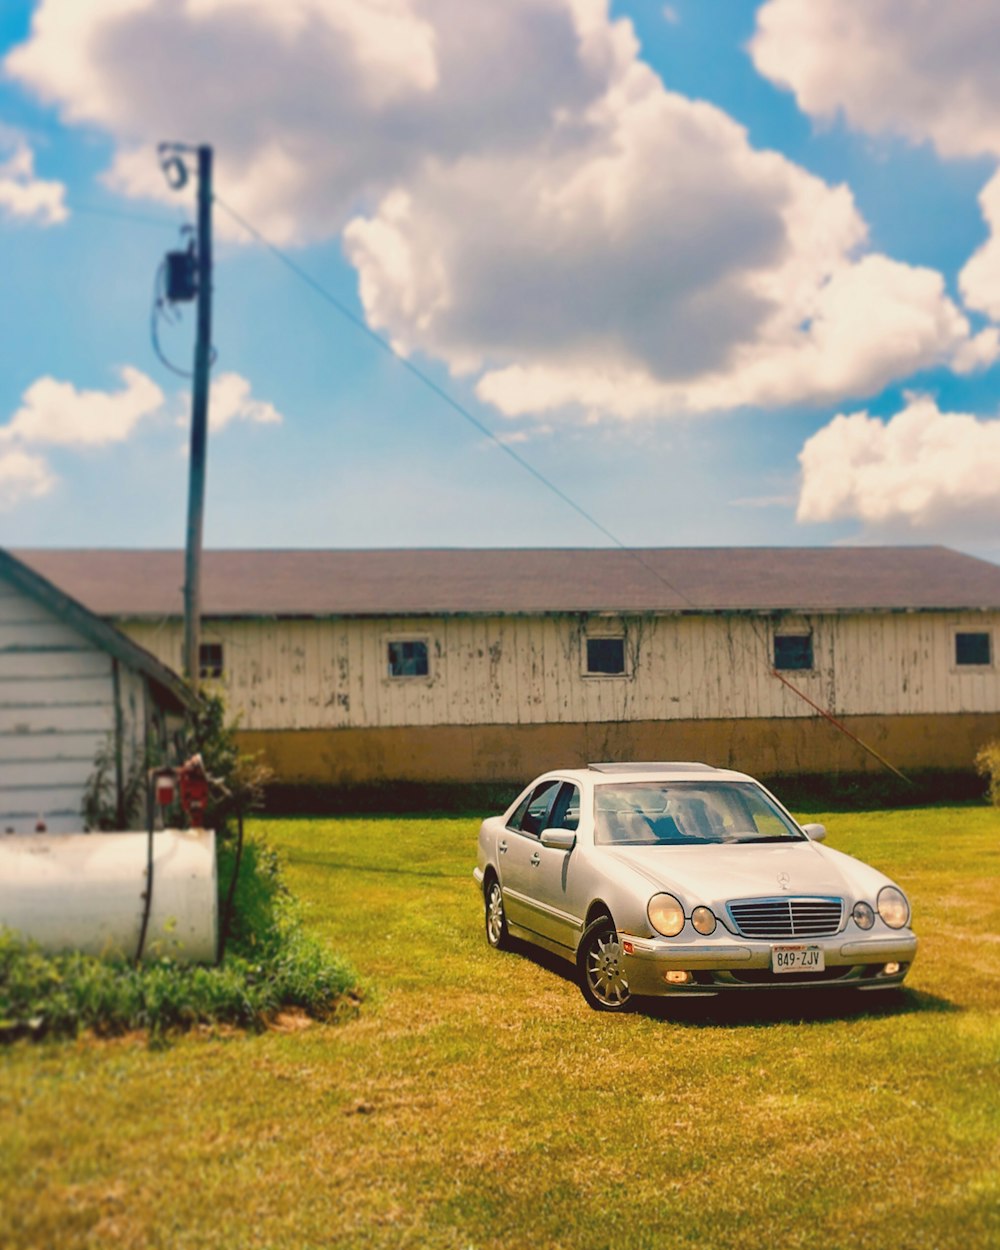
(787, 917)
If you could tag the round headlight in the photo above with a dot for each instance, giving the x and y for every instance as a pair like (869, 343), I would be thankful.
(666, 915)
(893, 907)
(703, 919)
(863, 915)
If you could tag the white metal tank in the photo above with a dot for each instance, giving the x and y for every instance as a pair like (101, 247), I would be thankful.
(83, 891)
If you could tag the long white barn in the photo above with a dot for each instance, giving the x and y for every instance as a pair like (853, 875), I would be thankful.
(358, 666)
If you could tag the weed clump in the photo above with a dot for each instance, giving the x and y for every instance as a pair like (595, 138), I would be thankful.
(988, 766)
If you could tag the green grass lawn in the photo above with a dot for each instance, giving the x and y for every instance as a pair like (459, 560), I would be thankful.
(477, 1102)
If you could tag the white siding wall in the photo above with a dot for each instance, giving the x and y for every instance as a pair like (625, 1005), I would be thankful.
(56, 709)
(290, 674)
(133, 693)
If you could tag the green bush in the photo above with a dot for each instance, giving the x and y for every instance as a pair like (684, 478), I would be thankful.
(261, 899)
(58, 995)
(272, 964)
(988, 766)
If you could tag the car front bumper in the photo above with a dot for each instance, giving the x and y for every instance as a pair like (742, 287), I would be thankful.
(721, 966)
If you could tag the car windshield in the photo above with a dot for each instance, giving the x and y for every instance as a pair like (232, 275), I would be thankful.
(688, 813)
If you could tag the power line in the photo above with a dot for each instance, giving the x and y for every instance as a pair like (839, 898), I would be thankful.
(360, 324)
(142, 219)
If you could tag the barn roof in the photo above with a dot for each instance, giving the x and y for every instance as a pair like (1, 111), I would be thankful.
(87, 622)
(138, 583)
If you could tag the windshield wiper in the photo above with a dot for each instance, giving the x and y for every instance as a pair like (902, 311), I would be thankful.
(773, 837)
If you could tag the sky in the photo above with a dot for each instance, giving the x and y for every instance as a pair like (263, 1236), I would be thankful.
(722, 273)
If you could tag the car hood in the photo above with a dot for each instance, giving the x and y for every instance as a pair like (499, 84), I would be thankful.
(718, 872)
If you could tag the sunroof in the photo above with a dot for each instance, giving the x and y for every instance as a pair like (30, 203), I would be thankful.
(652, 767)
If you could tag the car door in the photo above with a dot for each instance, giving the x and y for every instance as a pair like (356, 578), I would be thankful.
(518, 855)
(550, 883)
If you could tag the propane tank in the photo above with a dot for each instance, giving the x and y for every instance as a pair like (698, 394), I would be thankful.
(86, 892)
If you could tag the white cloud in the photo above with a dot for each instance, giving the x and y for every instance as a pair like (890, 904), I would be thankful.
(22, 476)
(657, 265)
(871, 321)
(58, 414)
(522, 197)
(230, 400)
(314, 105)
(922, 472)
(980, 279)
(55, 413)
(23, 196)
(917, 68)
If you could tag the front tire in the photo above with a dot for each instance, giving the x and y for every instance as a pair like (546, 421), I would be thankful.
(496, 918)
(599, 963)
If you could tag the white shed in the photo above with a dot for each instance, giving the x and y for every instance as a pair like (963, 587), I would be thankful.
(71, 686)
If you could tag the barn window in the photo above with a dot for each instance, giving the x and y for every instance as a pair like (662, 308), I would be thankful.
(793, 651)
(605, 657)
(408, 657)
(210, 659)
(973, 648)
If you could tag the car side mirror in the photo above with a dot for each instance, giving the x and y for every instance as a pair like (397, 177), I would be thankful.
(815, 833)
(559, 839)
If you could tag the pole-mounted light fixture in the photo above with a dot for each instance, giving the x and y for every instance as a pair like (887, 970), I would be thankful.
(174, 166)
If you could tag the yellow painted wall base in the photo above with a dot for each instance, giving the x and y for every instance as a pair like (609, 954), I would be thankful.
(476, 753)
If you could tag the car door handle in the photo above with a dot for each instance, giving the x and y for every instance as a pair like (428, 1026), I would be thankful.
(536, 859)
(502, 848)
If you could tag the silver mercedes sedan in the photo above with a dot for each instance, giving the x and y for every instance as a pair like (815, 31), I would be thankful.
(664, 879)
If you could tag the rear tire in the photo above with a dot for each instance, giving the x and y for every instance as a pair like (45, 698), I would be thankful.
(496, 918)
(599, 967)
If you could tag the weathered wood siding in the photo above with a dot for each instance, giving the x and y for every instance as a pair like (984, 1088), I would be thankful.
(57, 707)
(310, 674)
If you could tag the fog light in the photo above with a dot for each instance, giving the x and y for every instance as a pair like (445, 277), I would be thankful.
(676, 977)
(891, 969)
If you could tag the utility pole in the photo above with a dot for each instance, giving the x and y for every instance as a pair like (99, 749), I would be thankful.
(189, 275)
(199, 423)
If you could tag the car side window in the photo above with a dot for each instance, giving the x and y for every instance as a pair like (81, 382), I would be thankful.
(518, 816)
(566, 809)
(535, 817)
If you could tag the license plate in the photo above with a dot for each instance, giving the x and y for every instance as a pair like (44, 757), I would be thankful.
(797, 959)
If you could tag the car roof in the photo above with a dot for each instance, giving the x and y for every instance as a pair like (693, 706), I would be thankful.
(616, 772)
(688, 766)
